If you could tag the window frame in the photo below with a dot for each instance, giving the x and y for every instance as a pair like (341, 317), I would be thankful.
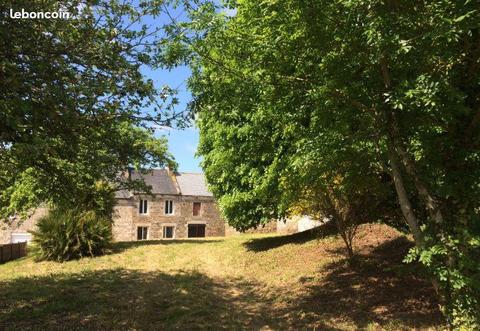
(144, 233)
(199, 211)
(164, 228)
(169, 207)
(143, 207)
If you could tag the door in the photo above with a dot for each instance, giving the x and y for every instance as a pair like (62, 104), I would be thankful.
(196, 230)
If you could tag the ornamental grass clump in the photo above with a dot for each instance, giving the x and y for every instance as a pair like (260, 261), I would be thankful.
(65, 235)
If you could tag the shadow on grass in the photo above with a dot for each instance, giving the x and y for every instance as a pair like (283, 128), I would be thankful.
(344, 297)
(121, 246)
(393, 250)
(265, 244)
(125, 299)
(378, 288)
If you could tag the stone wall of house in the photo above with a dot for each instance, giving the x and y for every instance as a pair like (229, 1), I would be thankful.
(270, 227)
(21, 226)
(127, 218)
(122, 221)
(230, 230)
(298, 223)
(306, 223)
(4, 235)
(287, 226)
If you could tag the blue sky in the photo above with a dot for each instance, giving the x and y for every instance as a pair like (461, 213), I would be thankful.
(182, 142)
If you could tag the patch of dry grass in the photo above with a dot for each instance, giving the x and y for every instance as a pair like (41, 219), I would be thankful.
(250, 281)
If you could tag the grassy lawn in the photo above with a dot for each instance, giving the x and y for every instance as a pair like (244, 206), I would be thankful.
(250, 281)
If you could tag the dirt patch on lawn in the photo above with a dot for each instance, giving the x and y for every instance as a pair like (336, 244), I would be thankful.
(378, 291)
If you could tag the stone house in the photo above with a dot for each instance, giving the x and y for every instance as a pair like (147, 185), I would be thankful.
(298, 223)
(17, 231)
(178, 206)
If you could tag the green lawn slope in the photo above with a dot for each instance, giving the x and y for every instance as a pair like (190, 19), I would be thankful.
(266, 282)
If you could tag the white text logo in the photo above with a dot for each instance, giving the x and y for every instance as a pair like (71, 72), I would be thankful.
(39, 15)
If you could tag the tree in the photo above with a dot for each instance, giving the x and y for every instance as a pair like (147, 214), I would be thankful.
(260, 138)
(75, 108)
(397, 82)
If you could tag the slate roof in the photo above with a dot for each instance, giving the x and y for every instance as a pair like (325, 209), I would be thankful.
(192, 184)
(164, 182)
(159, 179)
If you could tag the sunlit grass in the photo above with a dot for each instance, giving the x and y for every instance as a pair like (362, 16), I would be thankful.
(247, 281)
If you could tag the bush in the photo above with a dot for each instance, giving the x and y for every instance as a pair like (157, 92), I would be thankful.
(64, 235)
(454, 261)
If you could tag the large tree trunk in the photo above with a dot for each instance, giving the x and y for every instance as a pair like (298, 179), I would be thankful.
(406, 205)
(397, 152)
(403, 199)
(430, 203)
(395, 149)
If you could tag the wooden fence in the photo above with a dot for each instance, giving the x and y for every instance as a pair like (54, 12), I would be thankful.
(11, 252)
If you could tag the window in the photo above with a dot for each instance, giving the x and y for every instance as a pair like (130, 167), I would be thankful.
(143, 207)
(196, 208)
(168, 207)
(196, 230)
(168, 231)
(142, 233)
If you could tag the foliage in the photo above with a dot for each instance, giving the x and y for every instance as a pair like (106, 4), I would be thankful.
(75, 108)
(262, 153)
(320, 90)
(459, 280)
(64, 235)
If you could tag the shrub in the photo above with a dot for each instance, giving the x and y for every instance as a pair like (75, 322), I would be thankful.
(454, 261)
(64, 235)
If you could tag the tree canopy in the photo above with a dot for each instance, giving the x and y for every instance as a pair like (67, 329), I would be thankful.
(75, 108)
(346, 108)
(354, 98)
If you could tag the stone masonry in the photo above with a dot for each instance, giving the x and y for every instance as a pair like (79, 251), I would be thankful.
(184, 190)
(127, 217)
